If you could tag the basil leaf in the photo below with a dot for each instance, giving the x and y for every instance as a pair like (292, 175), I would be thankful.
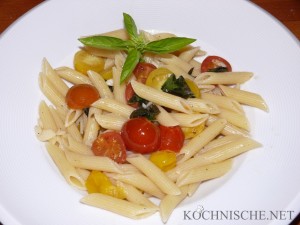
(130, 63)
(150, 112)
(168, 45)
(106, 42)
(137, 99)
(130, 26)
(178, 87)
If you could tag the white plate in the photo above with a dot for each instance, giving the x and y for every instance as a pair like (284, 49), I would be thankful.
(33, 192)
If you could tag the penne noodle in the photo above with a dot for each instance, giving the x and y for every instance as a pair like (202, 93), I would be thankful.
(139, 181)
(93, 162)
(72, 116)
(78, 147)
(219, 142)
(114, 106)
(169, 203)
(229, 128)
(135, 196)
(199, 141)
(245, 97)
(91, 130)
(189, 54)
(215, 155)
(118, 206)
(204, 173)
(56, 81)
(47, 120)
(154, 173)
(223, 78)
(72, 75)
(119, 89)
(66, 169)
(235, 119)
(192, 188)
(100, 84)
(58, 121)
(160, 97)
(110, 121)
(166, 119)
(203, 106)
(178, 71)
(170, 59)
(189, 120)
(224, 102)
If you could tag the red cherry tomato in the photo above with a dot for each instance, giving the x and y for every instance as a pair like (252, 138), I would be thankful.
(213, 62)
(140, 135)
(129, 92)
(171, 138)
(81, 96)
(142, 71)
(110, 144)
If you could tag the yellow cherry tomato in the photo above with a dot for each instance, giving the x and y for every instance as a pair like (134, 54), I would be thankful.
(83, 62)
(97, 182)
(194, 88)
(190, 132)
(165, 159)
(107, 74)
(157, 77)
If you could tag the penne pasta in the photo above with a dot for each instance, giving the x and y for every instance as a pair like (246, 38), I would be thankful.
(169, 203)
(72, 75)
(189, 120)
(110, 121)
(236, 119)
(203, 106)
(204, 173)
(223, 78)
(166, 119)
(92, 162)
(154, 173)
(118, 206)
(66, 169)
(245, 97)
(100, 84)
(161, 98)
(224, 102)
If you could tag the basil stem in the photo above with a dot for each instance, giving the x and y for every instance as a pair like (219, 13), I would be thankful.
(106, 42)
(130, 27)
(130, 63)
(168, 45)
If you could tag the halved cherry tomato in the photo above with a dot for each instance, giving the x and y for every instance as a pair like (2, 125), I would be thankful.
(213, 62)
(194, 88)
(165, 160)
(84, 61)
(142, 71)
(158, 77)
(129, 92)
(81, 96)
(110, 144)
(171, 138)
(140, 135)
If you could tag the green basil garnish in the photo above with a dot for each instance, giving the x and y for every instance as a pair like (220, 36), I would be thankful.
(136, 46)
(150, 112)
(178, 87)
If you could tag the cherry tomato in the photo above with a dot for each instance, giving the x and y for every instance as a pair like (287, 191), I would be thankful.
(81, 96)
(194, 88)
(213, 62)
(171, 138)
(165, 160)
(158, 77)
(140, 135)
(110, 144)
(84, 61)
(142, 71)
(129, 92)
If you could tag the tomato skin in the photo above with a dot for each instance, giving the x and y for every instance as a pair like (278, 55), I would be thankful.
(129, 92)
(140, 135)
(158, 77)
(110, 144)
(142, 71)
(81, 96)
(172, 138)
(212, 62)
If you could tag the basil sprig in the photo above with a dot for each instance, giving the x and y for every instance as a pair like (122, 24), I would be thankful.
(136, 46)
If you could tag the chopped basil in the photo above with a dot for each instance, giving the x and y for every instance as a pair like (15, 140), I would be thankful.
(137, 99)
(86, 111)
(149, 112)
(178, 87)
